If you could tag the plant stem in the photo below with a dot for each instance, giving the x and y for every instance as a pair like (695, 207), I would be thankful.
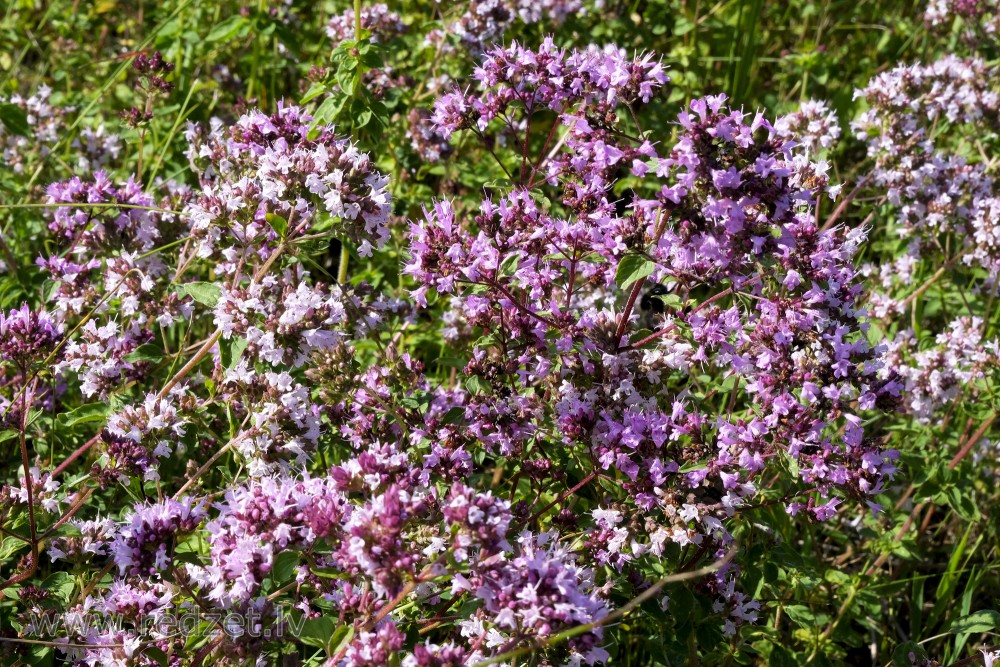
(345, 255)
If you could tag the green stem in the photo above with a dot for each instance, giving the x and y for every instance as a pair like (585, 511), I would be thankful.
(342, 267)
(357, 38)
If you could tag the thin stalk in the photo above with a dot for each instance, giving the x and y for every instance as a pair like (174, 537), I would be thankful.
(658, 228)
(345, 255)
(75, 455)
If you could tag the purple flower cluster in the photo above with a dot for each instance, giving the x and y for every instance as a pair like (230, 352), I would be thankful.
(119, 224)
(254, 524)
(934, 188)
(980, 19)
(145, 543)
(27, 336)
(267, 165)
(377, 19)
(429, 143)
(45, 121)
(98, 356)
(484, 21)
(549, 78)
(538, 592)
(731, 202)
(44, 491)
(92, 541)
(139, 435)
(152, 71)
(653, 340)
(814, 125)
(936, 376)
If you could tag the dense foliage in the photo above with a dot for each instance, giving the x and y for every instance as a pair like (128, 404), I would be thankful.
(499, 332)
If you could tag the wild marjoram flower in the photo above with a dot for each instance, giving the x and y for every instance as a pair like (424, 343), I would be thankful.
(748, 363)
(936, 193)
(27, 336)
(730, 198)
(764, 304)
(267, 165)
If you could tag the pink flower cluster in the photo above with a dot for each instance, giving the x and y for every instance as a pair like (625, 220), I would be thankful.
(652, 337)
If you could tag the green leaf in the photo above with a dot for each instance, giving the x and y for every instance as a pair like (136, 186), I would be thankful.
(284, 566)
(420, 400)
(633, 268)
(228, 29)
(340, 637)
(315, 90)
(92, 412)
(347, 75)
(477, 385)
(187, 557)
(156, 654)
(454, 416)
(508, 266)
(59, 584)
(147, 352)
(361, 113)
(682, 26)
(502, 183)
(278, 224)
(10, 546)
(49, 289)
(231, 351)
(371, 55)
(40, 655)
(980, 621)
(672, 300)
(801, 614)
(204, 293)
(15, 119)
(330, 109)
(317, 632)
(780, 657)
